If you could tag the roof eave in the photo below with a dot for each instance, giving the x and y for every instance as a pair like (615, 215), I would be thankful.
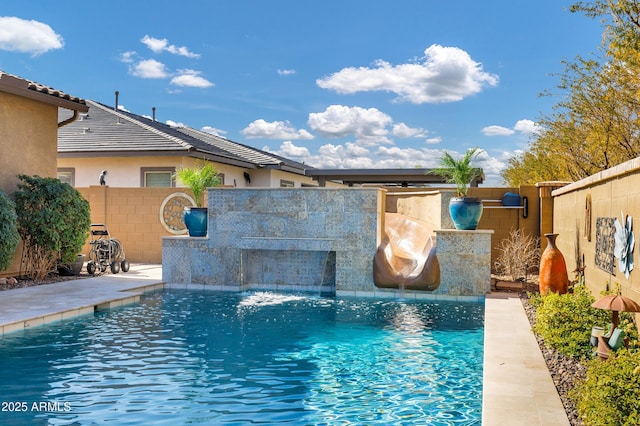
(167, 153)
(20, 87)
(285, 168)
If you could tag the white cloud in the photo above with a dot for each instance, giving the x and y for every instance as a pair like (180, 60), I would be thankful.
(369, 126)
(286, 72)
(497, 131)
(401, 130)
(525, 127)
(127, 57)
(149, 68)
(190, 78)
(444, 74)
(433, 141)
(274, 130)
(348, 150)
(214, 131)
(289, 150)
(351, 155)
(19, 35)
(404, 157)
(162, 45)
(174, 123)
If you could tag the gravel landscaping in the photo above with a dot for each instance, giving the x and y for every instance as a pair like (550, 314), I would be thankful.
(565, 371)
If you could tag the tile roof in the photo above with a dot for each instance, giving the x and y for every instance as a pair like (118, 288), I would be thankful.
(104, 131)
(265, 159)
(20, 86)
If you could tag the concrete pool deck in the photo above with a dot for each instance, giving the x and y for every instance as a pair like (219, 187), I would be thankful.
(518, 389)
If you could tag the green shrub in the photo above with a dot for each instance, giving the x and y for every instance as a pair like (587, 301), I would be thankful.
(9, 236)
(198, 179)
(610, 393)
(53, 221)
(564, 321)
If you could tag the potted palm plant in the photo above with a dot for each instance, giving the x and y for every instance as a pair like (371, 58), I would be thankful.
(198, 179)
(465, 211)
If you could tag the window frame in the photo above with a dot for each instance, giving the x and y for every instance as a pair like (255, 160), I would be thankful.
(70, 170)
(169, 169)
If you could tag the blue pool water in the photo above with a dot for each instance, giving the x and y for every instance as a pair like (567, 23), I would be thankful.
(186, 357)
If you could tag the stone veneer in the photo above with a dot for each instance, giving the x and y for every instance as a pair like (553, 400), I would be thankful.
(310, 239)
(278, 238)
(465, 261)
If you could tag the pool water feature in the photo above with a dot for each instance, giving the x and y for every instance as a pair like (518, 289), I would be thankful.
(225, 358)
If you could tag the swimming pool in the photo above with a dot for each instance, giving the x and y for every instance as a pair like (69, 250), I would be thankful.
(262, 358)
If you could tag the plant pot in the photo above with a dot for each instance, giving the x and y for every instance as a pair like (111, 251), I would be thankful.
(195, 219)
(465, 212)
(72, 268)
(553, 269)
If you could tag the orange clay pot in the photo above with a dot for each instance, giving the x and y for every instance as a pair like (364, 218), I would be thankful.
(553, 269)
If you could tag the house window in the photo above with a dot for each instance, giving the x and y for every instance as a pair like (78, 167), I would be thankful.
(286, 183)
(67, 175)
(158, 177)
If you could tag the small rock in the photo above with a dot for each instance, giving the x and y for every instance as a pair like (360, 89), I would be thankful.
(12, 281)
(3, 281)
(564, 371)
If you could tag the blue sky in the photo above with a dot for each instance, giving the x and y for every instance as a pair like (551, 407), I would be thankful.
(333, 83)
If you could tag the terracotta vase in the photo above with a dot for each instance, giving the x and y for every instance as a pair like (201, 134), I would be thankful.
(553, 269)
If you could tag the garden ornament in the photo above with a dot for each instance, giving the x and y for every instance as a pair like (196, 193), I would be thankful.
(624, 242)
(616, 303)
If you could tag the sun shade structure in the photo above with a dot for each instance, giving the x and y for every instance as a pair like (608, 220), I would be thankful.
(616, 303)
(400, 177)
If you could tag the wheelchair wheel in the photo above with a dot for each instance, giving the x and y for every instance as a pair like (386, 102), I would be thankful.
(115, 267)
(124, 265)
(91, 268)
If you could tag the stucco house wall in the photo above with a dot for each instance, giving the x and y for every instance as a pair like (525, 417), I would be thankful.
(29, 133)
(125, 172)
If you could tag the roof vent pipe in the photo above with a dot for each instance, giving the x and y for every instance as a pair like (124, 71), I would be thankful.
(153, 111)
(117, 94)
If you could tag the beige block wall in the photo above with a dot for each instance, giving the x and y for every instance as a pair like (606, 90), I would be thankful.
(613, 193)
(131, 215)
(505, 220)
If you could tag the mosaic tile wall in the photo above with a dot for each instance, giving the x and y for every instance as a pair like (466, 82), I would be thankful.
(310, 239)
(284, 270)
(262, 238)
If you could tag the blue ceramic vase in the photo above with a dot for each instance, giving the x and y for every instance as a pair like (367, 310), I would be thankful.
(195, 219)
(465, 212)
